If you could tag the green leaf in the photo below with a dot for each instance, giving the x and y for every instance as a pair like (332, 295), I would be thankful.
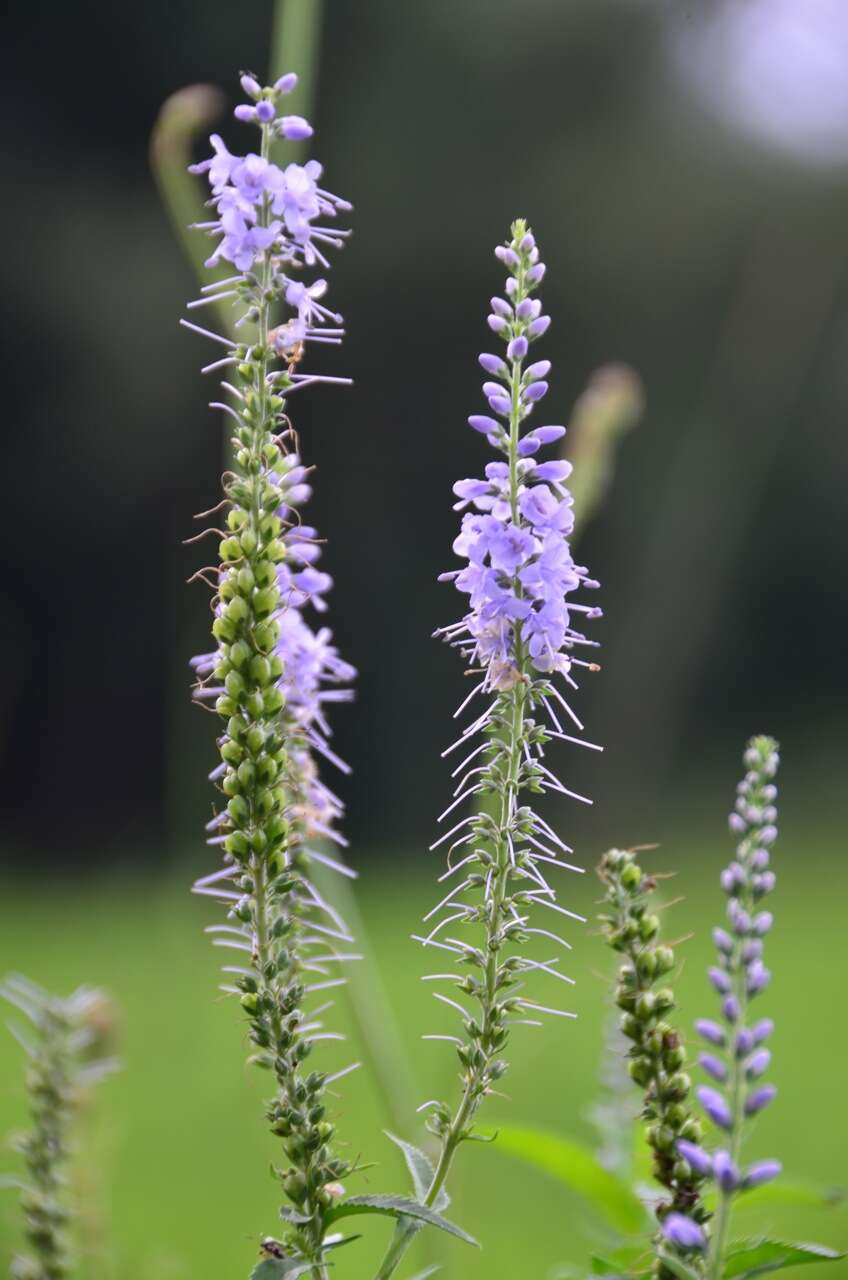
(746, 1258)
(427, 1272)
(397, 1207)
(279, 1269)
(578, 1167)
(421, 1169)
(680, 1268)
(781, 1193)
(627, 1263)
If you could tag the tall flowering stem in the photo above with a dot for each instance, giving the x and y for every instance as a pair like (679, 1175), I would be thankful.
(657, 1054)
(736, 1059)
(64, 1048)
(268, 673)
(518, 635)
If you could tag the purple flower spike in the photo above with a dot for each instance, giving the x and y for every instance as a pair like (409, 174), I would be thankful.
(715, 1106)
(683, 1233)
(713, 1067)
(762, 1172)
(696, 1157)
(759, 1099)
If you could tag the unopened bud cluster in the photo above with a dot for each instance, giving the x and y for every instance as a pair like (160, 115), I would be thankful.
(657, 1056)
(64, 1049)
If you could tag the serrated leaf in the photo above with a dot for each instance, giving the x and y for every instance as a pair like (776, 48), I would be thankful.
(279, 1269)
(578, 1167)
(291, 1215)
(746, 1258)
(397, 1207)
(421, 1171)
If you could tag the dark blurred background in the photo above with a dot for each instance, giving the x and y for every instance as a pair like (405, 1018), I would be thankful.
(685, 168)
(706, 248)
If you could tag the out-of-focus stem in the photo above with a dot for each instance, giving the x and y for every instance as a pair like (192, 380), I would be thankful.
(296, 46)
(183, 116)
(611, 405)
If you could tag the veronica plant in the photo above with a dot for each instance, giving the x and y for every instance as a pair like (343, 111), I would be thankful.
(737, 1059)
(65, 1047)
(269, 674)
(519, 636)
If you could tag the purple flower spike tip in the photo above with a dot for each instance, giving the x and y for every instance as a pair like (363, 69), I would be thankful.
(265, 111)
(286, 83)
(715, 1106)
(683, 1232)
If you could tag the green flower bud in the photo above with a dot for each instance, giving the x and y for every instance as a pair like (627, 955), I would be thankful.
(649, 927)
(631, 877)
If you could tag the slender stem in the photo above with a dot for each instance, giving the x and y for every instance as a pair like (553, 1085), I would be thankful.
(736, 1091)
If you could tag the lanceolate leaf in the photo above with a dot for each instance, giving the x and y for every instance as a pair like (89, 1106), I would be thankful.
(421, 1170)
(578, 1168)
(397, 1207)
(747, 1258)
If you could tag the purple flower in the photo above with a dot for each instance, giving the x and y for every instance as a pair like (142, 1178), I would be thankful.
(683, 1232)
(758, 1064)
(713, 1067)
(761, 1172)
(699, 1161)
(759, 1099)
(711, 1031)
(715, 1106)
(725, 1171)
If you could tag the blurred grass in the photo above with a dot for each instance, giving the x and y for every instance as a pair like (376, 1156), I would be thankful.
(181, 1131)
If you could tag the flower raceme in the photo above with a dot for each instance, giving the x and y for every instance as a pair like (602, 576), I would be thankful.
(271, 675)
(518, 634)
(736, 1058)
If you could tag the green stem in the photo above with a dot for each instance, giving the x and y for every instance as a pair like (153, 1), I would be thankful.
(296, 46)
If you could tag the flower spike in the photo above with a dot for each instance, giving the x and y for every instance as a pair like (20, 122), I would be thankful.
(272, 675)
(519, 636)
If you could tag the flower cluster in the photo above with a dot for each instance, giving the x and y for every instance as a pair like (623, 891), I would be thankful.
(737, 1059)
(65, 1047)
(270, 672)
(265, 211)
(518, 631)
(657, 1055)
(520, 569)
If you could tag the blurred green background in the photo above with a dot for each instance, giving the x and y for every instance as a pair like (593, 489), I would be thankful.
(688, 181)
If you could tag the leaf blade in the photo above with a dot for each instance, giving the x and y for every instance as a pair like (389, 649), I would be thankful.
(398, 1207)
(748, 1258)
(578, 1167)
